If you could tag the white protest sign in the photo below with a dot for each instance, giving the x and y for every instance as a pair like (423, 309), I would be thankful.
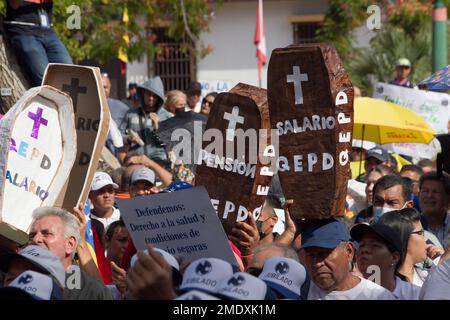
(37, 151)
(183, 223)
(213, 86)
(433, 107)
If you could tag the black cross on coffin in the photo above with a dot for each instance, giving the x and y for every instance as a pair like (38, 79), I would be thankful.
(73, 90)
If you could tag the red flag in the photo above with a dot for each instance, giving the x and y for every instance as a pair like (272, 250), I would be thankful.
(260, 39)
(103, 264)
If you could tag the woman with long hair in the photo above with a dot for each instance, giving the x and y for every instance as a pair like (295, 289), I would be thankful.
(406, 222)
(378, 258)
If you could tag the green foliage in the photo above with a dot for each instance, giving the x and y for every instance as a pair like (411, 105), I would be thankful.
(378, 62)
(405, 32)
(341, 18)
(102, 27)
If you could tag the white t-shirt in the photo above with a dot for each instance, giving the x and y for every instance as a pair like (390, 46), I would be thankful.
(365, 290)
(405, 290)
(437, 285)
(107, 221)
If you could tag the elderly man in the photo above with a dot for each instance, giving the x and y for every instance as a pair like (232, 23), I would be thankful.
(59, 231)
(434, 198)
(102, 196)
(328, 257)
(117, 108)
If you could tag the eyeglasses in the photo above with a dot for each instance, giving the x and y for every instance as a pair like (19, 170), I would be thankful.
(206, 101)
(419, 232)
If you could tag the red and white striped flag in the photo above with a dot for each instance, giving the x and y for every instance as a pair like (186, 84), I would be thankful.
(260, 40)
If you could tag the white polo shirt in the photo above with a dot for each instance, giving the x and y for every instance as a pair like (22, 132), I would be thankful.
(364, 290)
(107, 221)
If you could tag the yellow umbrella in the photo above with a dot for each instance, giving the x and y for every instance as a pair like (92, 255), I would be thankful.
(385, 122)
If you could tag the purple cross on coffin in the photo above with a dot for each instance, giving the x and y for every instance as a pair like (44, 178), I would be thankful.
(38, 120)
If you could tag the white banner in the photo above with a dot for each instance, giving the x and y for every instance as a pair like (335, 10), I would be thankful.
(431, 106)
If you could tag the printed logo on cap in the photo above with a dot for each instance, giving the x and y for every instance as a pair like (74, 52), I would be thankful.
(206, 274)
(236, 281)
(203, 268)
(282, 267)
(243, 286)
(25, 279)
(36, 284)
(284, 275)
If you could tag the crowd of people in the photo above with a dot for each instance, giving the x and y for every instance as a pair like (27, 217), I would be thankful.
(395, 247)
(391, 243)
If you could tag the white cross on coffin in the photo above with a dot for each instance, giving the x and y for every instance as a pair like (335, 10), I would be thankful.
(296, 77)
(233, 119)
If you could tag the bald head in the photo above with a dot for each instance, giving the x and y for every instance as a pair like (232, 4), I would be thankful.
(106, 84)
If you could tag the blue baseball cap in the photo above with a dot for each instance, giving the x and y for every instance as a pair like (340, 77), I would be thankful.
(324, 233)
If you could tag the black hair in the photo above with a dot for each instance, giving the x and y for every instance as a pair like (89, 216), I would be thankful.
(112, 227)
(116, 176)
(391, 180)
(412, 168)
(383, 169)
(393, 161)
(432, 176)
(212, 94)
(402, 221)
(426, 163)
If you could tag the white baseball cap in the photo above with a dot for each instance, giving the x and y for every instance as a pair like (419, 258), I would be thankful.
(170, 259)
(40, 257)
(38, 285)
(244, 286)
(143, 173)
(196, 295)
(205, 274)
(102, 179)
(284, 275)
(403, 62)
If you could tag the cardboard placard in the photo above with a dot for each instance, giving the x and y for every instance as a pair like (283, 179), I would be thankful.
(433, 107)
(37, 152)
(236, 171)
(311, 107)
(92, 118)
(182, 223)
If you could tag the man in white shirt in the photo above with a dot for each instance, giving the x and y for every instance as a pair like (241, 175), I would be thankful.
(328, 257)
(102, 197)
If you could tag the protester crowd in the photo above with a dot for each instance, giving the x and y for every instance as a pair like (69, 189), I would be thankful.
(392, 242)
